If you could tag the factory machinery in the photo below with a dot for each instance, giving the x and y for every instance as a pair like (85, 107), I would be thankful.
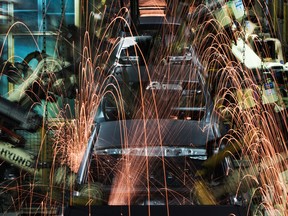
(17, 110)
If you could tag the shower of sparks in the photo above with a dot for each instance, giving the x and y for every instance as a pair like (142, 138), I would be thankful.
(257, 138)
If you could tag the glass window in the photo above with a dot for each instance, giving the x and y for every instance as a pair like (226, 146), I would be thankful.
(27, 12)
(26, 5)
(54, 13)
(30, 19)
(54, 6)
(31, 14)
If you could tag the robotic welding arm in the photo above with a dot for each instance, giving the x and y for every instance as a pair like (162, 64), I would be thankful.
(16, 116)
(51, 75)
(19, 158)
(46, 66)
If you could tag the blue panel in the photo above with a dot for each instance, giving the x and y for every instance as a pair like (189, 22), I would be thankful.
(26, 5)
(25, 45)
(55, 6)
(3, 78)
(54, 20)
(31, 13)
(29, 18)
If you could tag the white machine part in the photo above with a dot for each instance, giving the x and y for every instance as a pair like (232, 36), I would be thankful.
(229, 11)
(19, 158)
(49, 64)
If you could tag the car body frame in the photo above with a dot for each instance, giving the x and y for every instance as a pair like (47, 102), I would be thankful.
(160, 115)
